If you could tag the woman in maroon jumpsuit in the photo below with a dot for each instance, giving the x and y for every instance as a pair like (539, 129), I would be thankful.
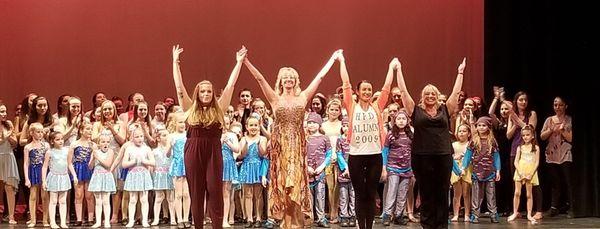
(203, 161)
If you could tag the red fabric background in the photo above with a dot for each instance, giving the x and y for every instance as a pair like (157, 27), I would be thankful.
(118, 47)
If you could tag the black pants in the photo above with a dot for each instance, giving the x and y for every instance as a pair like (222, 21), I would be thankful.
(505, 188)
(365, 172)
(433, 174)
(561, 183)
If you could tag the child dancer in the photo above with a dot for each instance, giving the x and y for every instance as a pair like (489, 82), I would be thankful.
(33, 161)
(177, 171)
(111, 126)
(138, 157)
(80, 155)
(347, 198)
(461, 174)
(318, 153)
(230, 149)
(102, 183)
(57, 182)
(163, 182)
(526, 164)
(483, 152)
(253, 145)
(396, 159)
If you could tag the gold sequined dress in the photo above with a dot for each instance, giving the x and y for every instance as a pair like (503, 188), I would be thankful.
(289, 179)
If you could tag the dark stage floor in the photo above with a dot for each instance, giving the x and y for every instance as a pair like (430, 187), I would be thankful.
(556, 222)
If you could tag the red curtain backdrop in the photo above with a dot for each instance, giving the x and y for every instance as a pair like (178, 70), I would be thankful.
(120, 47)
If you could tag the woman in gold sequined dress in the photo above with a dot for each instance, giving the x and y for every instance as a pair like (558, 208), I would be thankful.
(289, 196)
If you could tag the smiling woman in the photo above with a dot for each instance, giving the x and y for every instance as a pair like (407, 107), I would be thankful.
(288, 189)
(366, 135)
(204, 117)
(431, 150)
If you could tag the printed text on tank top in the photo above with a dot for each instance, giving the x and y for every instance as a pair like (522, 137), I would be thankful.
(365, 128)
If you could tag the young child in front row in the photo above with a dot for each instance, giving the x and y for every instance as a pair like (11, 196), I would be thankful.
(318, 153)
(396, 159)
(57, 181)
(102, 184)
(32, 163)
(526, 164)
(253, 146)
(461, 175)
(230, 148)
(483, 153)
(347, 197)
(138, 158)
(163, 182)
(178, 138)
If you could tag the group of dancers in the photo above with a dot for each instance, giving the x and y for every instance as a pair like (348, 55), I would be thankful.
(202, 154)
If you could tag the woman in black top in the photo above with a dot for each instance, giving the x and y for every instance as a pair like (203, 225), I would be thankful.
(504, 188)
(431, 149)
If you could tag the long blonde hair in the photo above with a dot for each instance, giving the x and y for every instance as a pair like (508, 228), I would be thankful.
(114, 117)
(491, 142)
(427, 88)
(334, 102)
(278, 84)
(196, 115)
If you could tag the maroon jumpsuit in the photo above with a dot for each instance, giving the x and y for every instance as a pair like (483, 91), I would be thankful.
(204, 172)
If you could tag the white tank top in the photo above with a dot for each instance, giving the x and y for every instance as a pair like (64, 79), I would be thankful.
(365, 132)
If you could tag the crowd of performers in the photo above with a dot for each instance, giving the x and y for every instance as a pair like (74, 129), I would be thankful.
(292, 158)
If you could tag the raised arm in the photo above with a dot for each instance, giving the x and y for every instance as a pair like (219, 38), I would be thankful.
(264, 85)
(407, 100)
(225, 98)
(492, 110)
(312, 87)
(182, 95)
(346, 85)
(498, 98)
(387, 85)
(452, 102)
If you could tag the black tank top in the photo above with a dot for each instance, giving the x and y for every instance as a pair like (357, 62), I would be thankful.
(432, 134)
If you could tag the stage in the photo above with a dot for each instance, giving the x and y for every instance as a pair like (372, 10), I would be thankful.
(557, 222)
